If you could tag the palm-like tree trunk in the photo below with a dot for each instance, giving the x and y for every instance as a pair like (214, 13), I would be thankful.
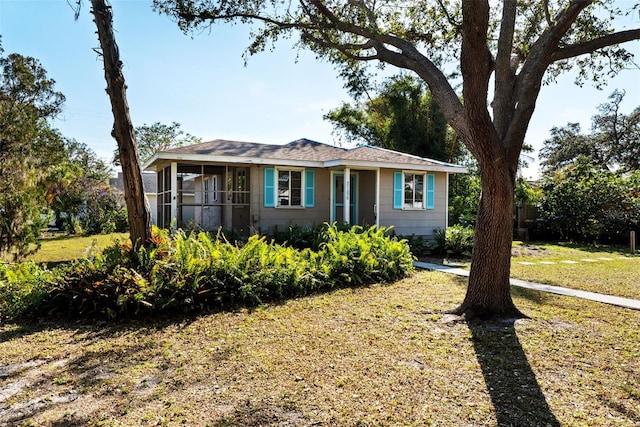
(137, 206)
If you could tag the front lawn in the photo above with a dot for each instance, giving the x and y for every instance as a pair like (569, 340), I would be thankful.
(64, 248)
(380, 355)
(606, 270)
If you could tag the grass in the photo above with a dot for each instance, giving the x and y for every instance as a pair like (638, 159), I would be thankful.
(383, 355)
(65, 247)
(607, 270)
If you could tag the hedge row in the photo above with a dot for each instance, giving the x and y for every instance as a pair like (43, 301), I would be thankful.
(198, 272)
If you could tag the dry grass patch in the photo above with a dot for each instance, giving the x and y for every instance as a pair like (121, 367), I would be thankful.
(383, 355)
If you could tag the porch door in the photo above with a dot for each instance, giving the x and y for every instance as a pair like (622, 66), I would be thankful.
(240, 199)
(338, 199)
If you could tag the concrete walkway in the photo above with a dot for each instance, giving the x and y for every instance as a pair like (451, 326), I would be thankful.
(607, 299)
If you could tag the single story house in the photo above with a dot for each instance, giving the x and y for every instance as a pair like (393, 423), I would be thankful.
(258, 188)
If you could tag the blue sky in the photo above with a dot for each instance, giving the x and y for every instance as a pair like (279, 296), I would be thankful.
(202, 82)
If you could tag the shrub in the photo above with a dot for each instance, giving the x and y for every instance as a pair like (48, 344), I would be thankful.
(23, 287)
(419, 245)
(310, 236)
(198, 271)
(362, 255)
(586, 204)
(455, 241)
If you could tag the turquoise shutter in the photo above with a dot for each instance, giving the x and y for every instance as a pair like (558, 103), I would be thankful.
(309, 188)
(269, 187)
(431, 190)
(397, 190)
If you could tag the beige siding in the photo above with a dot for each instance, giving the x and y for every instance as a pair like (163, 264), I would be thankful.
(265, 220)
(420, 222)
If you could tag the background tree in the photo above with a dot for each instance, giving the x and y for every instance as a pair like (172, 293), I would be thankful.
(585, 203)
(80, 196)
(29, 150)
(402, 116)
(158, 137)
(612, 143)
(517, 44)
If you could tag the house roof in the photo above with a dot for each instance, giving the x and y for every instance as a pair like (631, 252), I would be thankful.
(302, 152)
(149, 182)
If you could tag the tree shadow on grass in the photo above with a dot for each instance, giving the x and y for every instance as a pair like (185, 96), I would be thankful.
(512, 384)
(40, 383)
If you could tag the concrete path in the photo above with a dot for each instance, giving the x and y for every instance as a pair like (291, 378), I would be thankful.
(607, 299)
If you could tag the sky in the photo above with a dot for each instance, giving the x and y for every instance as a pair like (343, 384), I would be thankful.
(202, 82)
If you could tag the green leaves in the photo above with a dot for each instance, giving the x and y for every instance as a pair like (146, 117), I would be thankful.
(585, 203)
(403, 116)
(29, 149)
(198, 271)
(611, 144)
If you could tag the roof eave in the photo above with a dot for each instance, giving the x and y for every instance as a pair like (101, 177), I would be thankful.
(209, 158)
(394, 165)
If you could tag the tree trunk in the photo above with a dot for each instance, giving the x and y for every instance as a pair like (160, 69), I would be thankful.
(488, 292)
(137, 206)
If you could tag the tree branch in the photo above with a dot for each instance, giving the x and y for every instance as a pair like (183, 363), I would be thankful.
(476, 66)
(505, 73)
(572, 51)
(529, 80)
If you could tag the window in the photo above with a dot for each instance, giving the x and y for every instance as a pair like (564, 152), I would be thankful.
(210, 189)
(413, 190)
(240, 195)
(289, 188)
(214, 187)
(206, 190)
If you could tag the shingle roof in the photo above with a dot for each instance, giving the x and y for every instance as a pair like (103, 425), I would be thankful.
(303, 150)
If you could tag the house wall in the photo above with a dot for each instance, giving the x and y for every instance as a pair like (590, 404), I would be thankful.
(265, 220)
(153, 206)
(420, 222)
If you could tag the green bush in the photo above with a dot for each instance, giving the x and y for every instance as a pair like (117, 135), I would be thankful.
(419, 245)
(587, 204)
(23, 287)
(310, 236)
(455, 241)
(198, 271)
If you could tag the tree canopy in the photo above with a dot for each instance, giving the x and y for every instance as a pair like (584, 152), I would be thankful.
(158, 137)
(402, 116)
(584, 202)
(510, 47)
(80, 191)
(30, 149)
(612, 143)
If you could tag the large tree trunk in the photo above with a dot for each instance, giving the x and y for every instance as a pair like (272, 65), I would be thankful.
(488, 292)
(137, 206)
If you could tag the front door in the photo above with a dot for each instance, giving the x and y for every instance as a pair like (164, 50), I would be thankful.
(338, 199)
(240, 199)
